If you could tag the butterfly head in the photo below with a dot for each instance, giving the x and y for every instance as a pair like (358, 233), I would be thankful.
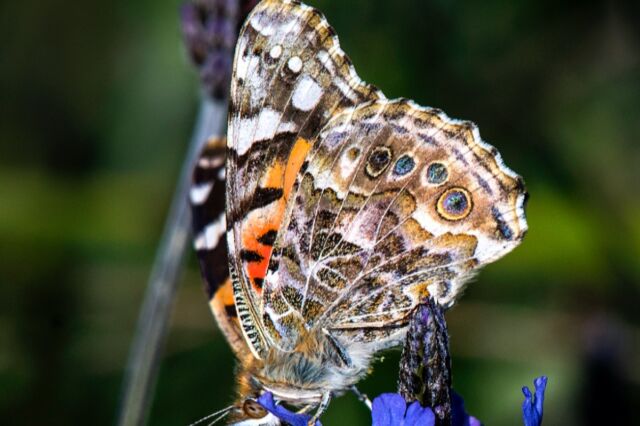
(246, 409)
(255, 402)
(259, 408)
(249, 412)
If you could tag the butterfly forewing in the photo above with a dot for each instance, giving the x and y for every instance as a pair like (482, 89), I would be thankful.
(290, 77)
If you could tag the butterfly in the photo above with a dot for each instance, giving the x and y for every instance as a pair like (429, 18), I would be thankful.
(330, 213)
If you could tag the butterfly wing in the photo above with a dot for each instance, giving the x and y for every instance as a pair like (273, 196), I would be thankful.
(206, 198)
(396, 203)
(290, 77)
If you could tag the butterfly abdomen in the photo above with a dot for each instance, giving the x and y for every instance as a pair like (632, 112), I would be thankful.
(316, 365)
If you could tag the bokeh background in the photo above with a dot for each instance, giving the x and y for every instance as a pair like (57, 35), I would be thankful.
(97, 104)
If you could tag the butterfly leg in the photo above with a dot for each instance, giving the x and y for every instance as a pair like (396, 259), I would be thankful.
(324, 404)
(305, 409)
(361, 396)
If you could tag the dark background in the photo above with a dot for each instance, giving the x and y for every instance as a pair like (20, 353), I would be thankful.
(96, 107)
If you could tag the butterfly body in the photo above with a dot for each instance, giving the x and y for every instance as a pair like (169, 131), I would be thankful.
(342, 211)
(304, 375)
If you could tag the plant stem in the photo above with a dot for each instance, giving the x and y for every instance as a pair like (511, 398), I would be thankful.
(153, 323)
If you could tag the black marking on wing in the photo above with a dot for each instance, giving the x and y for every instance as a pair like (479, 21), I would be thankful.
(504, 231)
(231, 311)
(268, 238)
(214, 267)
(250, 256)
(258, 282)
(265, 196)
(483, 183)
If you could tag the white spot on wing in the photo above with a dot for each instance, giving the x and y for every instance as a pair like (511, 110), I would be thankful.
(210, 163)
(240, 67)
(325, 60)
(199, 193)
(347, 165)
(306, 94)
(295, 64)
(427, 222)
(264, 29)
(261, 127)
(209, 238)
(275, 51)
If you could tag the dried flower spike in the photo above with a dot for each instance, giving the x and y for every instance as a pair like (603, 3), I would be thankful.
(425, 366)
(210, 29)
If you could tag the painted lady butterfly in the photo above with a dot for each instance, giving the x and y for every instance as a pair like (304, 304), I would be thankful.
(343, 211)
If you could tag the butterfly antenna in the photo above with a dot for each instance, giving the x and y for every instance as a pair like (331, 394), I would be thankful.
(218, 416)
(216, 420)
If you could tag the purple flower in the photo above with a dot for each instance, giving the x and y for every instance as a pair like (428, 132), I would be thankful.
(533, 404)
(459, 416)
(267, 401)
(390, 409)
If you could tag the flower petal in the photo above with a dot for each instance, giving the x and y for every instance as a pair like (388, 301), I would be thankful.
(532, 406)
(459, 415)
(266, 400)
(388, 409)
(417, 415)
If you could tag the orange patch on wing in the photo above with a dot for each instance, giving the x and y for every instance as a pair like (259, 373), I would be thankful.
(296, 158)
(269, 218)
(250, 239)
(274, 176)
(224, 295)
(227, 320)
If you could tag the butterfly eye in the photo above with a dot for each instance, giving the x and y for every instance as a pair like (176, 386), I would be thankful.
(454, 204)
(378, 161)
(253, 409)
(404, 165)
(437, 173)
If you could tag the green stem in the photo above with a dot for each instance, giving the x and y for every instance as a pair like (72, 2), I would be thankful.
(153, 323)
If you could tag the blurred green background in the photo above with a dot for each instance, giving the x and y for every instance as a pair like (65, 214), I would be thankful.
(97, 105)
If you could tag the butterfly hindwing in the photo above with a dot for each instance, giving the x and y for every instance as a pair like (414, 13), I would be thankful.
(386, 213)
(290, 78)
